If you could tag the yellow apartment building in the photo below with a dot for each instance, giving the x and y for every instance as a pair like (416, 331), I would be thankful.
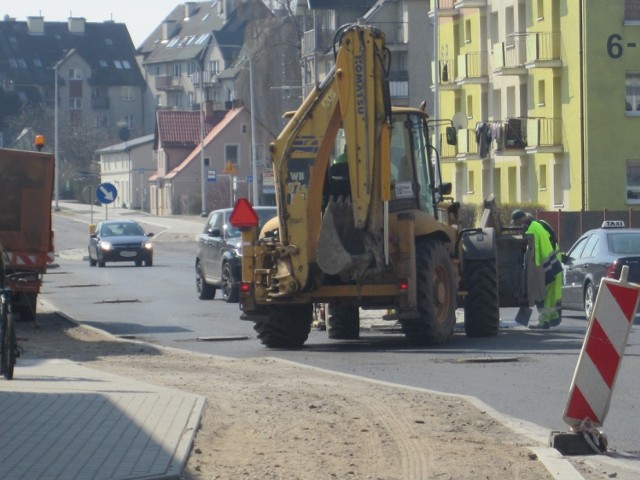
(545, 95)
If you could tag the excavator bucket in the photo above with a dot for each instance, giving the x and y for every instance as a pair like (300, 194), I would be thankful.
(340, 248)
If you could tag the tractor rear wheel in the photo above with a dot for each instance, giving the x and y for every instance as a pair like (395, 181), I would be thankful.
(481, 307)
(344, 322)
(436, 292)
(286, 326)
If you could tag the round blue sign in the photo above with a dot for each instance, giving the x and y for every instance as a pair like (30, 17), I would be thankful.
(106, 193)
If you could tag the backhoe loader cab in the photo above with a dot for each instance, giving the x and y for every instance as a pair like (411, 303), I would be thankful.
(363, 221)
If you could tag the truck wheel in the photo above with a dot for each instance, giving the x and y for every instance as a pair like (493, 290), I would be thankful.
(205, 291)
(26, 309)
(9, 345)
(286, 326)
(436, 292)
(229, 288)
(481, 307)
(344, 322)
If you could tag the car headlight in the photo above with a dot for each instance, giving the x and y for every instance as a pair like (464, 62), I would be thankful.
(147, 246)
(105, 246)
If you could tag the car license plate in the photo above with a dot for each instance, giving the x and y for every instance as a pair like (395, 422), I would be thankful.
(128, 254)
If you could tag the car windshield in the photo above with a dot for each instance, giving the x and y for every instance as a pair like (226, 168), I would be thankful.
(627, 243)
(264, 215)
(121, 230)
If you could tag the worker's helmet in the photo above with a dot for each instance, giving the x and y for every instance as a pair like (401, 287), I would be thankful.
(517, 215)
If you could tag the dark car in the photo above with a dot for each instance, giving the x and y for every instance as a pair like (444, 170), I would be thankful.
(218, 260)
(120, 241)
(599, 253)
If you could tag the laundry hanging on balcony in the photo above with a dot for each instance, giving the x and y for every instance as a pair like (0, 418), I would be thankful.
(483, 138)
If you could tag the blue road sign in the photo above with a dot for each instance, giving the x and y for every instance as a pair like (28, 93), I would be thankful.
(249, 178)
(211, 175)
(106, 193)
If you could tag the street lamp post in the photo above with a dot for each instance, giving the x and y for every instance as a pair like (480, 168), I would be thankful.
(55, 138)
(254, 168)
(203, 181)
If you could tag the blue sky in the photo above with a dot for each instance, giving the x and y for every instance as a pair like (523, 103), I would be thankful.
(140, 16)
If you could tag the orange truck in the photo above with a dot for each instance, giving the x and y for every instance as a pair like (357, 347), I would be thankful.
(26, 237)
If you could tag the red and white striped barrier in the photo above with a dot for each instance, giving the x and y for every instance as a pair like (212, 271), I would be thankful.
(602, 351)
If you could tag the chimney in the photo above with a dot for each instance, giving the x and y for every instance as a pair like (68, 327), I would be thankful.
(76, 25)
(189, 9)
(208, 110)
(35, 25)
(168, 27)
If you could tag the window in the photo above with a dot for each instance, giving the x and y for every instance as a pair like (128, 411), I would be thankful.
(103, 63)
(541, 93)
(191, 67)
(126, 64)
(189, 99)
(129, 120)
(540, 8)
(75, 74)
(214, 67)
(632, 84)
(126, 93)
(633, 182)
(177, 69)
(632, 10)
(542, 177)
(470, 181)
(469, 106)
(118, 64)
(108, 41)
(467, 31)
(75, 103)
(231, 154)
(101, 121)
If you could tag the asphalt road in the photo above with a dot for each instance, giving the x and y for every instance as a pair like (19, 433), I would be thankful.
(521, 373)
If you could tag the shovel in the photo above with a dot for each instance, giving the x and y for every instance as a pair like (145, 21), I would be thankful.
(523, 316)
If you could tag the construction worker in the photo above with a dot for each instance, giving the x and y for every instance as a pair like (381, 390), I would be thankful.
(546, 255)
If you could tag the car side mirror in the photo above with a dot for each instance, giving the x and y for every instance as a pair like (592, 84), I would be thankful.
(445, 188)
(452, 135)
(214, 232)
(149, 234)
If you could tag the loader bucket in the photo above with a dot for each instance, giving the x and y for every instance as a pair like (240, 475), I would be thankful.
(340, 247)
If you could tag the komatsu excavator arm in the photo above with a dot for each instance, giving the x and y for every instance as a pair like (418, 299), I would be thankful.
(353, 97)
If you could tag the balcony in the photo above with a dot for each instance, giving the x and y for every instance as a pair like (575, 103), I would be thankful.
(208, 78)
(100, 103)
(544, 135)
(467, 145)
(168, 82)
(446, 74)
(316, 40)
(508, 58)
(445, 8)
(447, 152)
(399, 84)
(472, 68)
(543, 50)
(509, 136)
(395, 33)
(470, 4)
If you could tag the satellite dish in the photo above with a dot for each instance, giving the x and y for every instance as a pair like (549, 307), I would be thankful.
(459, 120)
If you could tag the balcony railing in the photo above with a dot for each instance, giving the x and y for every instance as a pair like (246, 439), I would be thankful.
(446, 150)
(472, 66)
(316, 40)
(508, 58)
(394, 32)
(446, 74)
(543, 49)
(544, 133)
(168, 82)
(467, 144)
(207, 77)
